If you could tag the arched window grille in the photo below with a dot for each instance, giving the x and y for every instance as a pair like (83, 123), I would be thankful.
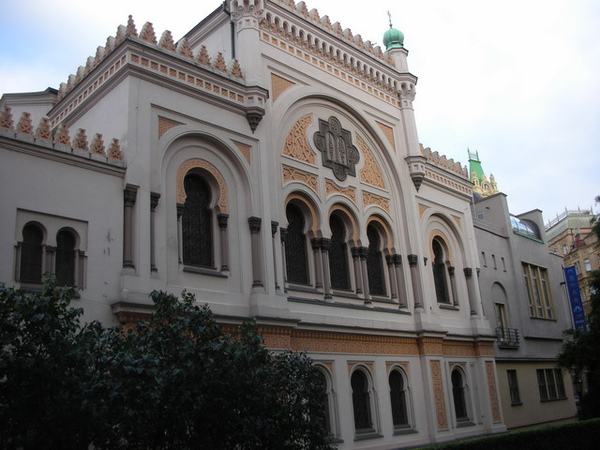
(65, 258)
(375, 263)
(296, 261)
(326, 396)
(398, 398)
(32, 251)
(196, 223)
(361, 402)
(338, 255)
(439, 273)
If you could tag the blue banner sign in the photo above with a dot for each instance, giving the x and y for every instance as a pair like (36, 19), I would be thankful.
(575, 298)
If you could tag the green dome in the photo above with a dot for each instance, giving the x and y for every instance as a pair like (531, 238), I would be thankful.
(393, 38)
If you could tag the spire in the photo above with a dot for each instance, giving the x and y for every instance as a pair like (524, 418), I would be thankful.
(481, 184)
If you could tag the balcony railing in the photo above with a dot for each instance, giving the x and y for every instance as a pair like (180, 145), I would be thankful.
(507, 337)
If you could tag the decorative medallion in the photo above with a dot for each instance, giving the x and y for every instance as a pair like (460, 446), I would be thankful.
(336, 148)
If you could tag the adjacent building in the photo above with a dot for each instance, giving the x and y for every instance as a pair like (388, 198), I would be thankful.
(522, 287)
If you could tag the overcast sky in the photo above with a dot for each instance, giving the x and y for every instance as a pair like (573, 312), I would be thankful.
(516, 80)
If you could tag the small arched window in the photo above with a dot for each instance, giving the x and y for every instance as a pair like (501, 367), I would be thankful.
(65, 258)
(296, 261)
(398, 398)
(196, 222)
(338, 255)
(361, 402)
(327, 401)
(439, 273)
(375, 263)
(459, 395)
(32, 251)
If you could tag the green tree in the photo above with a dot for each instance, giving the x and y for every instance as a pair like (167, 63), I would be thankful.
(174, 382)
(581, 349)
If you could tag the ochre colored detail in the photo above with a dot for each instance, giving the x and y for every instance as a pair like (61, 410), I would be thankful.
(43, 131)
(444, 239)
(438, 394)
(372, 199)
(278, 85)
(332, 188)
(314, 216)
(457, 220)
(245, 150)
(351, 218)
(491, 379)
(422, 209)
(430, 346)
(484, 348)
(296, 146)
(371, 172)
(389, 134)
(165, 125)
(24, 125)
(201, 164)
(454, 348)
(290, 174)
(383, 225)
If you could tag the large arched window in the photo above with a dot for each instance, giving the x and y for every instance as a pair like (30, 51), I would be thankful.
(32, 251)
(375, 262)
(398, 398)
(196, 222)
(338, 255)
(361, 402)
(296, 261)
(439, 272)
(65, 258)
(328, 401)
(459, 395)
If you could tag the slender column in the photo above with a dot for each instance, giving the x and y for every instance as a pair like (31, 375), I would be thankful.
(364, 251)
(222, 222)
(80, 270)
(471, 290)
(325, 246)
(130, 195)
(255, 224)
(50, 259)
(282, 236)
(317, 245)
(154, 197)
(179, 233)
(357, 273)
(389, 260)
(274, 227)
(451, 271)
(402, 297)
(18, 249)
(413, 262)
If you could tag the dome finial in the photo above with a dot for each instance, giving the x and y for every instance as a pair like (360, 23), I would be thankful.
(393, 38)
(390, 17)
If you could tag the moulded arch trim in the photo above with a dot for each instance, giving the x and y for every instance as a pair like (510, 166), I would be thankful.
(349, 217)
(38, 225)
(382, 225)
(444, 242)
(309, 204)
(74, 233)
(439, 223)
(197, 163)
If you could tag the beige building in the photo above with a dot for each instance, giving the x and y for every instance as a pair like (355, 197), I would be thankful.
(524, 298)
(570, 236)
(269, 163)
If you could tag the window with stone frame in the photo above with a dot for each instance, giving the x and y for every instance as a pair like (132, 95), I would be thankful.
(196, 222)
(361, 402)
(440, 275)
(375, 265)
(31, 250)
(296, 255)
(338, 255)
(538, 291)
(398, 398)
(550, 384)
(459, 395)
(66, 257)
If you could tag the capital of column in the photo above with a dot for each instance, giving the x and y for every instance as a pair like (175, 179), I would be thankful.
(274, 226)
(413, 260)
(154, 197)
(254, 223)
(468, 272)
(130, 195)
(222, 220)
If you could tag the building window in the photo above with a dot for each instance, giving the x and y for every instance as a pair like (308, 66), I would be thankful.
(296, 261)
(550, 383)
(538, 292)
(338, 255)
(503, 264)
(398, 396)
(361, 402)
(196, 223)
(459, 395)
(328, 402)
(483, 259)
(513, 387)
(65, 258)
(32, 254)
(494, 261)
(375, 263)
(439, 273)
(565, 250)
(588, 266)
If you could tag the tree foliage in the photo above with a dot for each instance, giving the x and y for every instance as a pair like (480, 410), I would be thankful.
(174, 382)
(581, 348)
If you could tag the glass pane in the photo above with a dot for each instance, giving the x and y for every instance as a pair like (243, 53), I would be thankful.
(196, 223)
(375, 263)
(65, 258)
(361, 402)
(338, 255)
(398, 398)
(31, 254)
(295, 247)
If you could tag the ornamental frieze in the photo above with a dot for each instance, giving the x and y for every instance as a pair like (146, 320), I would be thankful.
(335, 145)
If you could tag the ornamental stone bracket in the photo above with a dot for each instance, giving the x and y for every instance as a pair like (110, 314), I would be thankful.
(255, 106)
(416, 168)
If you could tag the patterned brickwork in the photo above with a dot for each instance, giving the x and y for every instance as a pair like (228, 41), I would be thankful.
(389, 134)
(290, 174)
(373, 199)
(244, 150)
(371, 172)
(279, 85)
(491, 380)
(331, 188)
(165, 125)
(438, 394)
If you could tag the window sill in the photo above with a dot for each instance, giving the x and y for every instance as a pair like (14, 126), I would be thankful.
(204, 271)
(367, 435)
(464, 423)
(400, 430)
(553, 400)
(516, 404)
(448, 307)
